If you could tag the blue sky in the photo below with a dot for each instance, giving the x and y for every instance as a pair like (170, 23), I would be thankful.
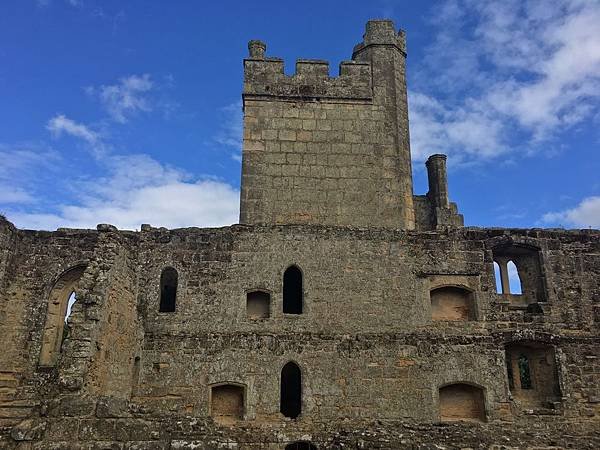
(128, 112)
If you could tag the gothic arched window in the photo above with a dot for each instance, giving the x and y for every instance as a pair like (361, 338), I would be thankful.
(291, 390)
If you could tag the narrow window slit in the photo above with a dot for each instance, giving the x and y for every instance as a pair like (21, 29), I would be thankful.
(168, 290)
(292, 291)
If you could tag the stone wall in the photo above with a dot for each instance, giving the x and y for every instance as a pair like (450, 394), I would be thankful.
(366, 343)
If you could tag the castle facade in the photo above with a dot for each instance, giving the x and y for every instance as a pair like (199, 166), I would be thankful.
(342, 312)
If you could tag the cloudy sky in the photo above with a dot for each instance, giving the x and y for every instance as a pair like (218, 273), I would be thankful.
(128, 112)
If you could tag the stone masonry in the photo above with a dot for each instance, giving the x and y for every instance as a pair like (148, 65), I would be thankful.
(342, 312)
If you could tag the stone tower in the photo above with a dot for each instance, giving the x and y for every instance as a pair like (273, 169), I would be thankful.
(322, 150)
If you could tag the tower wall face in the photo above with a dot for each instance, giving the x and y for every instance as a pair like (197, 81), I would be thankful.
(332, 151)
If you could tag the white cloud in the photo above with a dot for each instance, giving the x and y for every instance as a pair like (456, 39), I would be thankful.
(132, 189)
(20, 171)
(502, 68)
(126, 98)
(136, 190)
(61, 124)
(231, 129)
(462, 133)
(12, 194)
(584, 215)
(75, 3)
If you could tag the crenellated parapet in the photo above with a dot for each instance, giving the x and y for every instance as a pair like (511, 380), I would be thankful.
(265, 77)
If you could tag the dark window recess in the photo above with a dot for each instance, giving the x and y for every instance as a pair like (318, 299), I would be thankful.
(258, 305)
(509, 372)
(292, 291)
(533, 374)
(291, 391)
(524, 372)
(168, 290)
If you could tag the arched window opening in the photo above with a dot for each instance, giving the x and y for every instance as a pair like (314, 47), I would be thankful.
(518, 272)
(168, 290)
(292, 291)
(451, 303)
(498, 278)
(532, 373)
(514, 280)
(291, 391)
(300, 445)
(227, 403)
(67, 326)
(70, 303)
(258, 305)
(461, 402)
(57, 327)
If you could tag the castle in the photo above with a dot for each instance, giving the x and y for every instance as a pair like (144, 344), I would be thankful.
(342, 312)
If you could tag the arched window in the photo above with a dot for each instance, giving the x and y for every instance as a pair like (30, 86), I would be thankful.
(292, 291)
(498, 278)
(300, 445)
(519, 275)
(514, 278)
(461, 402)
(168, 290)
(56, 328)
(291, 391)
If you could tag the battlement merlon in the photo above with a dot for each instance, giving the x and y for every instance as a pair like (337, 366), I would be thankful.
(264, 77)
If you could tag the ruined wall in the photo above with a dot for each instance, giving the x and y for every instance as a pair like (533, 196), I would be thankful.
(34, 263)
(366, 343)
(402, 364)
(112, 370)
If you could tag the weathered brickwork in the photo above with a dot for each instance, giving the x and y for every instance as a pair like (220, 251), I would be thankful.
(394, 328)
